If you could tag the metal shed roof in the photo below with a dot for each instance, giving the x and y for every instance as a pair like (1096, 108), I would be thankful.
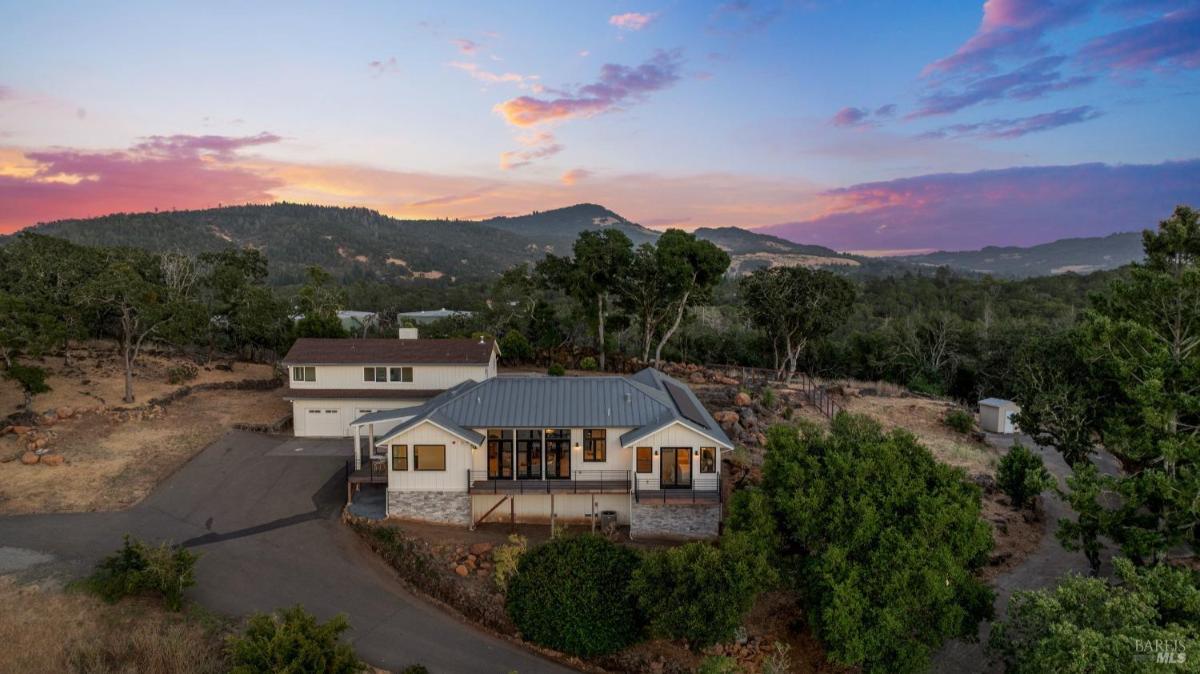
(996, 402)
(640, 402)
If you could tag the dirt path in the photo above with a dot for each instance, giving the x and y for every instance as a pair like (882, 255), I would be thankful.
(1042, 568)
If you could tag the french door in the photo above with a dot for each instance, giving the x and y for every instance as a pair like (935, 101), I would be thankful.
(500, 454)
(675, 468)
(529, 455)
(558, 454)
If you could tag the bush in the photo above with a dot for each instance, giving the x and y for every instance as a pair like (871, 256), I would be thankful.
(292, 640)
(556, 370)
(506, 558)
(1022, 476)
(881, 540)
(415, 669)
(588, 363)
(515, 348)
(768, 398)
(718, 664)
(181, 373)
(572, 594)
(959, 420)
(165, 571)
(1089, 624)
(701, 593)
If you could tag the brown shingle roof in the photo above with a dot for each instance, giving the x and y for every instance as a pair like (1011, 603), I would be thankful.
(325, 351)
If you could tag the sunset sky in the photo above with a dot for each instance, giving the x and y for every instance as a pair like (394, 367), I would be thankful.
(876, 125)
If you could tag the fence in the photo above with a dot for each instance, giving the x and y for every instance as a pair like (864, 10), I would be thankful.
(816, 392)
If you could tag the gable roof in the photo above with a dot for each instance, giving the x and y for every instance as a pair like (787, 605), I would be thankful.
(643, 402)
(334, 351)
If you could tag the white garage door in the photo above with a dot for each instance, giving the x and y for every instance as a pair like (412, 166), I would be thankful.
(323, 422)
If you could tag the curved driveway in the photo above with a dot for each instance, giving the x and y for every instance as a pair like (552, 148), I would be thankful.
(268, 532)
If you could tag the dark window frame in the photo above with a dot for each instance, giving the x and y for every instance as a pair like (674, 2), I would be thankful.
(304, 371)
(713, 467)
(397, 374)
(590, 449)
(402, 455)
(417, 457)
(649, 460)
(375, 370)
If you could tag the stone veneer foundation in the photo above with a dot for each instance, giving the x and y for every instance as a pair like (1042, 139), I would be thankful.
(675, 521)
(443, 507)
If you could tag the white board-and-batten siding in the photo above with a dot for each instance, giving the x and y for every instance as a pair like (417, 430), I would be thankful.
(425, 377)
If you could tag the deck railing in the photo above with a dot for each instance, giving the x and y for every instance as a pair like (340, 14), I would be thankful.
(580, 482)
(703, 489)
(373, 471)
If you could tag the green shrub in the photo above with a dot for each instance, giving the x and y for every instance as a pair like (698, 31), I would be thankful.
(588, 363)
(959, 420)
(1022, 476)
(506, 558)
(881, 540)
(718, 664)
(181, 373)
(768, 398)
(292, 640)
(1094, 625)
(556, 370)
(700, 593)
(415, 669)
(515, 348)
(572, 594)
(165, 571)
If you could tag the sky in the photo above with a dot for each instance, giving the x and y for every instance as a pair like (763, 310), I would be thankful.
(876, 126)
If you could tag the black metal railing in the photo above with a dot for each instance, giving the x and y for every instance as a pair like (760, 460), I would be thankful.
(704, 488)
(580, 482)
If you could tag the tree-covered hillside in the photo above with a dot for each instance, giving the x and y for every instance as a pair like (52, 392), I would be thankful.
(1080, 255)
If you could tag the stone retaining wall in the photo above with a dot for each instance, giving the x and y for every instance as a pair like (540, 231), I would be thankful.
(675, 521)
(443, 507)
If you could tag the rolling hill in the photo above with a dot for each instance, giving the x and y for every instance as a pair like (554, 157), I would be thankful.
(1078, 255)
(357, 243)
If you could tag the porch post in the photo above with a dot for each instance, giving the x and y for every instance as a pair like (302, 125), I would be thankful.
(370, 442)
(357, 449)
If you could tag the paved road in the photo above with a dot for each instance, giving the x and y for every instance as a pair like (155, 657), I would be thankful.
(1042, 568)
(266, 525)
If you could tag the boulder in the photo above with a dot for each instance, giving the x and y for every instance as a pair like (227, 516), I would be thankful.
(29, 458)
(20, 430)
(742, 399)
(47, 420)
(696, 378)
(461, 570)
(65, 412)
(53, 460)
(727, 418)
(480, 549)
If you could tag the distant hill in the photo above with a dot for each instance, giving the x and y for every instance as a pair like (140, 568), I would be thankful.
(558, 229)
(361, 244)
(751, 250)
(352, 243)
(1081, 255)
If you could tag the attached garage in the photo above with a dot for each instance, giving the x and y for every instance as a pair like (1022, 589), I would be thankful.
(330, 417)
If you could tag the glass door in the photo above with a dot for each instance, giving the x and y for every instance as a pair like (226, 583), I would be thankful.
(500, 454)
(529, 455)
(558, 453)
(675, 468)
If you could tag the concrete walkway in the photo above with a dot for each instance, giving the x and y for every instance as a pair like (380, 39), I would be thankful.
(266, 526)
(1041, 569)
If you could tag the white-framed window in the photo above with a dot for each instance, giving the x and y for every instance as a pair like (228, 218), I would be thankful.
(401, 374)
(304, 373)
(374, 374)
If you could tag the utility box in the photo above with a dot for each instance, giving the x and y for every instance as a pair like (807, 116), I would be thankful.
(996, 415)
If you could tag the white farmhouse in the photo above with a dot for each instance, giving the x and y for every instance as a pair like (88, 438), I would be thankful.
(552, 449)
(332, 382)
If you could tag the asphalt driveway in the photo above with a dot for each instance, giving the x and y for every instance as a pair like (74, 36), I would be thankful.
(265, 520)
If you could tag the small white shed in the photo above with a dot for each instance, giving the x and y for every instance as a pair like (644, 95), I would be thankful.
(996, 415)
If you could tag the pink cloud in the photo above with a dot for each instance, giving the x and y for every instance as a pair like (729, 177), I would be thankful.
(850, 117)
(1010, 28)
(483, 75)
(1016, 206)
(538, 145)
(163, 172)
(632, 20)
(574, 175)
(616, 84)
(1015, 128)
(468, 47)
(1167, 42)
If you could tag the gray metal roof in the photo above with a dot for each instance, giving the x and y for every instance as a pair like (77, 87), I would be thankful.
(996, 402)
(640, 402)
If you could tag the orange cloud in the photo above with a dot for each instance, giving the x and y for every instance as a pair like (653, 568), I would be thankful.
(632, 20)
(574, 175)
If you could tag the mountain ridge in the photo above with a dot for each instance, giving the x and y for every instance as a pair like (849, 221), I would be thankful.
(1080, 255)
